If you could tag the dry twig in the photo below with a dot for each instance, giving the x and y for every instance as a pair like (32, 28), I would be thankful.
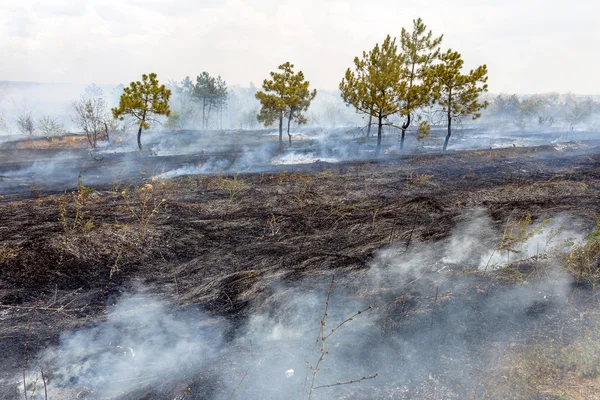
(238, 386)
(320, 342)
(27, 334)
(364, 378)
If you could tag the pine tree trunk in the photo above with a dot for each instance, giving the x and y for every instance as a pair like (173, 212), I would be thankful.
(139, 135)
(281, 131)
(288, 130)
(106, 131)
(379, 133)
(449, 132)
(221, 117)
(405, 126)
(369, 127)
(203, 113)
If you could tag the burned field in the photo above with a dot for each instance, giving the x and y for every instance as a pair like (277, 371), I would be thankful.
(474, 273)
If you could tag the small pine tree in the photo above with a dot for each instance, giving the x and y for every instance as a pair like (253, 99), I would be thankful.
(286, 94)
(457, 95)
(142, 100)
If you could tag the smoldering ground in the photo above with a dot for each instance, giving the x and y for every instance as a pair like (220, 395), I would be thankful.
(170, 155)
(438, 324)
(175, 153)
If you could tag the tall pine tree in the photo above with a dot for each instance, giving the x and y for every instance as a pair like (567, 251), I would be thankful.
(285, 95)
(375, 87)
(457, 95)
(420, 50)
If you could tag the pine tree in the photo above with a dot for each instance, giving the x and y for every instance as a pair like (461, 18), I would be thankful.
(420, 49)
(211, 93)
(202, 93)
(376, 87)
(142, 100)
(285, 95)
(219, 99)
(457, 95)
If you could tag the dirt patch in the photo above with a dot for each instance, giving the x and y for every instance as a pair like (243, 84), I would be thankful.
(66, 142)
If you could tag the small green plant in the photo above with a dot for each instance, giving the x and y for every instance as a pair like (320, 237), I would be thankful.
(305, 185)
(117, 183)
(185, 394)
(75, 201)
(147, 207)
(36, 191)
(233, 186)
(582, 357)
(7, 253)
(415, 179)
(584, 258)
(274, 224)
(517, 233)
(424, 129)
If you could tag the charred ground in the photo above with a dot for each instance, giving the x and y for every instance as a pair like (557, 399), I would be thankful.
(220, 241)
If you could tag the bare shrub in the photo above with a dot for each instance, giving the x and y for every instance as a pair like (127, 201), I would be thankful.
(3, 124)
(146, 204)
(91, 117)
(50, 126)
(26, 124)
(312, 365)
(274, 224)
(578, 112)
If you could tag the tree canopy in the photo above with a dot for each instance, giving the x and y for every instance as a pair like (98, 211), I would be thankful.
(375, 87)
(286, 95)
(420, 50)
(91, 117)
(143, 100)
(457, 95)
(211, 93)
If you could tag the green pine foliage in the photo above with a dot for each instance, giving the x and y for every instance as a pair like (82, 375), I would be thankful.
(457, 95)
(420, 50)
(286, 95)
(211, 93)
(143, 100)
(375, 87)
(410, 79)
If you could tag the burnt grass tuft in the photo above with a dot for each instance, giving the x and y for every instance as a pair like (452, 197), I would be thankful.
(203, 246)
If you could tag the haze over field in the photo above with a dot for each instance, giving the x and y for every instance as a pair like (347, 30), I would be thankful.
(529, 46)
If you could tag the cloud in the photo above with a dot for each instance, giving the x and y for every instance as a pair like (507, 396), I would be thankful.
(525, 44)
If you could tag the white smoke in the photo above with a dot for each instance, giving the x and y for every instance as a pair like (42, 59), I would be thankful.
(428, 317)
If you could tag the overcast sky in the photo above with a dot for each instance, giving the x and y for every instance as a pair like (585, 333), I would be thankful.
(529, 46)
